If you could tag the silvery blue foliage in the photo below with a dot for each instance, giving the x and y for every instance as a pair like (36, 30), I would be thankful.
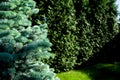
(23, 45)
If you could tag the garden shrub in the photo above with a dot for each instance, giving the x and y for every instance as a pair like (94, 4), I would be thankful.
(97, 25)
(61, 20)
(78, 29)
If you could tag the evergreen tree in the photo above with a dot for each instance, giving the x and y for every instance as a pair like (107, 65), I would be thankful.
(97, 25)
(62, 31)
(22, 45)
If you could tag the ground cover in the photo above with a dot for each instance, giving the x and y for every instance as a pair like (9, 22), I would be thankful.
(94, 72)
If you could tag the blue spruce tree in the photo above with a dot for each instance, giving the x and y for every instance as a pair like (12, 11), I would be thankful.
(22, 45)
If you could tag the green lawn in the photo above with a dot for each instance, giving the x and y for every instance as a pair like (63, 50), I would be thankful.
(73, 75)
(96, 72)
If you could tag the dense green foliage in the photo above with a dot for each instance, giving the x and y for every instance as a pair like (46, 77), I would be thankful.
(22, 45)
(97, 25)
(62, 29)
(78, 29)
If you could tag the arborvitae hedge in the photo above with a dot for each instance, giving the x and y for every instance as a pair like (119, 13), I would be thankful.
(62, 32)
(84, 25)
(23, 45)
(97, 25)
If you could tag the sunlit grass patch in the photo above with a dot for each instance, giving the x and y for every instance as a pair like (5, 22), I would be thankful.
(94, 72)
(73, 75)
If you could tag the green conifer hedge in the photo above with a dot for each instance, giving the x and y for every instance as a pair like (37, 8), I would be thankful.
(78, 29)
(61, 20)
(97, 25)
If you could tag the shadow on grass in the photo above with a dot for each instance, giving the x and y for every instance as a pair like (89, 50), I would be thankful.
(95, 72)
(103, 72)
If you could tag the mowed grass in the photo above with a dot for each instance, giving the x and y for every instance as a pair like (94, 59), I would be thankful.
(104, 72)
(73, 75)
(95, 72)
